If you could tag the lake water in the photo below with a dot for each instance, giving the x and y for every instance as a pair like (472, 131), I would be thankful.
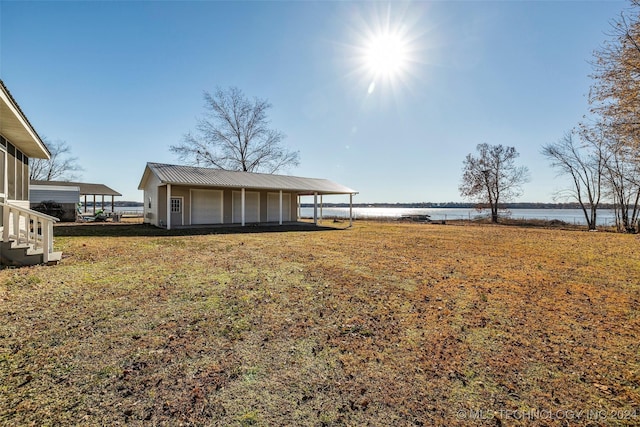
(572, 216)
(127, 209)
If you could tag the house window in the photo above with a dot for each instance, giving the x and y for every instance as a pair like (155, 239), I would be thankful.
(149, 205)
(176, 206)
(11, 171)
(17, 171)
(3, 156)
(19, 166)
(25, 177)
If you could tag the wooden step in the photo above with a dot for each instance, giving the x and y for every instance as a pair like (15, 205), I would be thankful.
(20, 254)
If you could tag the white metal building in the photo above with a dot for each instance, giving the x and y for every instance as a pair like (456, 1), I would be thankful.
(177, 196)
(67, 197)
(57, 193)
(87, 191)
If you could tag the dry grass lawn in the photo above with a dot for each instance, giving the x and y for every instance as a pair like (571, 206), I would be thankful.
(380, 324)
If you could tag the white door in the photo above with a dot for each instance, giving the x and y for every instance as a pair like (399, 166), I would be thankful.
(176, 211)
(273, 207)
(206, 207)
(251, 206)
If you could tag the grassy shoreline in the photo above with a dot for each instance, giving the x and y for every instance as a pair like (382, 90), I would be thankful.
(379, 324)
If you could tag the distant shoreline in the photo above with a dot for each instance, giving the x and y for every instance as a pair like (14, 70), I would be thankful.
(453, 205)
(419, 205)
(120, 204)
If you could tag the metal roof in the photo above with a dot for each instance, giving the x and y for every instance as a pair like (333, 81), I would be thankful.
(57, 193)
(208, 177)
(85, 188)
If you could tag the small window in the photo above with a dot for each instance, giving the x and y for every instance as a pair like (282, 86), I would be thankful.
(149, 203)
(176, 206)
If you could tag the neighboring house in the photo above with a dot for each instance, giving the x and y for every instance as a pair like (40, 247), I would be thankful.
(185, 196)
(60, 201)
(27, 235)
(86, 190)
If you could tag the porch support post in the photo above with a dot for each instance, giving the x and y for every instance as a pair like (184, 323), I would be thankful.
(112, 204)
(84, 208)
(94, 204)
(280, 207)
(102, 202)
(350, 209)
(168, 206)
(47, 239)
(321, 208)
(299, 201)
(315, 208)
(242, 205)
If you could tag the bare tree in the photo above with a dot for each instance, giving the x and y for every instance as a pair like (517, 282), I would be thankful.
(234, 134)
(492, 176)
(584, 163)
(616, 106)
(616, 78)
(623, 183)
(61, 166)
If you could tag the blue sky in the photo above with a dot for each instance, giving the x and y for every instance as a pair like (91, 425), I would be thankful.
(122, 81)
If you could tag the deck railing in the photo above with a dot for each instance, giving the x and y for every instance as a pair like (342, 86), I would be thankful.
(29, 227)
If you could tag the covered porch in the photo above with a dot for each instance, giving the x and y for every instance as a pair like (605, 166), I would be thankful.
(184, 206)
(318, 205)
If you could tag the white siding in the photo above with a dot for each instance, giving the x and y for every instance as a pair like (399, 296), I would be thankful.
(206, 207)
(58, 194)
(151, 214)
(273, 207)
(251, 206)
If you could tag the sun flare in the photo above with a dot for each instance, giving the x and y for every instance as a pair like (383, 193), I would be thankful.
(386, 55)
(385, 50)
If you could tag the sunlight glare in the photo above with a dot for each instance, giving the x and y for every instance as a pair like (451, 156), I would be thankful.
(385, 50)
(386, 55)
